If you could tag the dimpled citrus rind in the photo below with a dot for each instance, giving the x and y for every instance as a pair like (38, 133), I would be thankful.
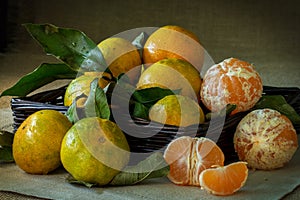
(173, 42)
(37, 141)
(177, 110)
(173, 74)
(94, 150)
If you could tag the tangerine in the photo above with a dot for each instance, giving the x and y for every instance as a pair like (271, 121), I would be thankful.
(224, 180)
(81, 85)
(176, 110)
(188, 157)
(265, 139)
(94, 150)
(174, 74)
(172, 41)
(37, 142)
(121, 57)
(232, 81)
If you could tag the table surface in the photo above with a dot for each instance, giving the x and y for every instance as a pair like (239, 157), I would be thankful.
(270, 76)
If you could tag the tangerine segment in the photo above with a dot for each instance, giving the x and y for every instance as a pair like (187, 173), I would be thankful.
(265, 139)
(224, 180)
(177, 155)
(232, 81)
(188, 157)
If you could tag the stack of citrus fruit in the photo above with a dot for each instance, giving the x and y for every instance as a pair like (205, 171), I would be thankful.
(94, 150)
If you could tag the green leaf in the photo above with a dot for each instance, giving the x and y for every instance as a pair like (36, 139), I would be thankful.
(72, 112)
(151, 95)
(96, 103)
(6, 140)
(140, 110)
(143, 99)
(278, 102)
(153, 166)
(6, 154)
(44, 74)
(69, 45)
(72, 180)
(225, 111)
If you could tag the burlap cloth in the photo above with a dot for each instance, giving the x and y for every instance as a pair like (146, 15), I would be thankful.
(16, 184)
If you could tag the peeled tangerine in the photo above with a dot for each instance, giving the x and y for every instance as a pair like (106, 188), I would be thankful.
(188, 157)
(232, 81)
(265, 139)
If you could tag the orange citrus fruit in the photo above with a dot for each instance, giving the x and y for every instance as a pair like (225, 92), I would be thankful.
(176, 110)
(232, 81)
(37, 142)
(188, 157)
(224, 180)
(94, 150)
(121, 57)
(174, 74)
(173, 42)
(265, 139)
(81, 85)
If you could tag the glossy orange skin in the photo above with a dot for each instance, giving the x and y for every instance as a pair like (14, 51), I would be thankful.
(122, 57)
(173, 42)
(37, 142)
(172, 73)
(94, 150)
(81, 85)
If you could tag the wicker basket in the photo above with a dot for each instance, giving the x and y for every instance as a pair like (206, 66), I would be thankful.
(163, 134)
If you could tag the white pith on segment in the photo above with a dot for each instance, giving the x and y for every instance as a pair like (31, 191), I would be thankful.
(258, 139)
(194, 161)
(231, 73)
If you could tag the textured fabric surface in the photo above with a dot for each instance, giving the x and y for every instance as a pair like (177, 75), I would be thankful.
(263, 32)
(273, 184)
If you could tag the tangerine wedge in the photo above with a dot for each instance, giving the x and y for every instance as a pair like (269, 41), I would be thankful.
(224, 180)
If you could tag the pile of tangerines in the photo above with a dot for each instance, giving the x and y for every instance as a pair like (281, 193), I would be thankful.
(172, 58)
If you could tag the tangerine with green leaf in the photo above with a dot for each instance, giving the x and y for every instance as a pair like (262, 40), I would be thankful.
(173, 74)
(177, 110)
(94, 150)
(81, 85)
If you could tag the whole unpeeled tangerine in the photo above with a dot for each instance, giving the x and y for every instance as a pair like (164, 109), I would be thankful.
(37, 142)
(94, 150)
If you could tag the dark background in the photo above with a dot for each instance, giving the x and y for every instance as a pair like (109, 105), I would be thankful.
(250, 29)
